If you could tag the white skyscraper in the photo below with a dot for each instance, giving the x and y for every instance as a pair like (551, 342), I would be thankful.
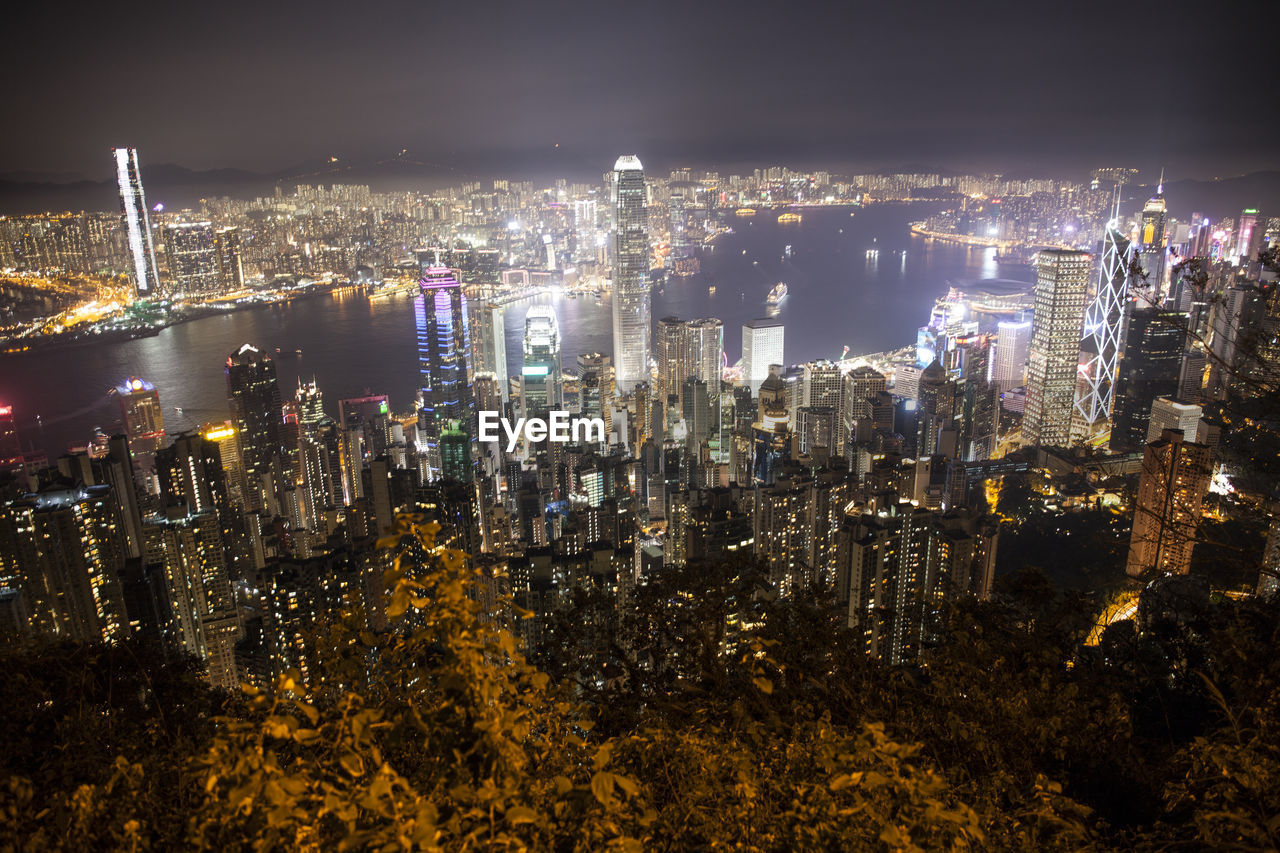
(630, 273)
(137, 223)
(761, 347)
(1013, 341)
(1103, 326)
(1062, 285)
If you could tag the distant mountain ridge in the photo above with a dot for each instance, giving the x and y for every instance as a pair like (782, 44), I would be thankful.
(178, 187)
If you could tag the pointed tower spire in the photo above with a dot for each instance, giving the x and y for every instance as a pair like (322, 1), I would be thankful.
(1160, 186)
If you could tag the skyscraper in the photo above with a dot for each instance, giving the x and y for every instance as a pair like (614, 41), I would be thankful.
(143, 420)
(489, 344)
(1062, 283)
(137, 223)
(1103, 327)
(1153, 353)
(192, 254)
(10, 449)
(226, 243)
(254, 397)
(540, 379)
(762, 341)
(443, 340)
(1152, 243)
(1013, 343)
(1175, 478)
(1170, 414)
(630, 273)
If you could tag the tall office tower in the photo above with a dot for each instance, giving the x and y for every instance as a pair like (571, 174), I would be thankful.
(980, 410)
(226, 245)
(859, 386)
(190, 549)
(489, 344)
(938, 406)
(706, 351)
(697, 412)
(1103, 328)
(630, 273)
(1170, 414)
(254, 397)
(540, 379)
(1013, 345)
(596, 388)
(1249, 231)
(10, 448)
(1153, 354)
(192, 475)
(223, 434)
(822, 382)
(70, 551)
(137, 223)
(443, 341)
(1232, 328)
(192, 254)
(143, 420)
(782, 527)
(1151, 249)
(1175, 478)
(1062, 284)
(309, 402)
(671, 352)
(761, 347)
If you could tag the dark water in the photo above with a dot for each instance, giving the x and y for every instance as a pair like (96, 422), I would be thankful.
(838, 296)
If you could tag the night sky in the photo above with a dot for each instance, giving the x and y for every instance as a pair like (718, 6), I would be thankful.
(491, 88)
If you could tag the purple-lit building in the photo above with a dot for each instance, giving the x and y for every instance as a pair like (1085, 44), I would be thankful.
(443, 340)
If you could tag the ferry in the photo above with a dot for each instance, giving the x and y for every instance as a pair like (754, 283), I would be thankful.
(778, 293)
(789, 218)
(745, 211)
(711, 291)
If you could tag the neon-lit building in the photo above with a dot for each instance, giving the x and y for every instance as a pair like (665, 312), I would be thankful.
(440, 309)
(137, 223)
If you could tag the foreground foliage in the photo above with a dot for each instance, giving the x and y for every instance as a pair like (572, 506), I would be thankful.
(710, 717)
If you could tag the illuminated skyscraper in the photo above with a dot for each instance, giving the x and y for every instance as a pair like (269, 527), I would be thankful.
(137, 223)
(1248, 235)
(630, 273)
(1062, 284)
(761, 347)
(1103, 327)
(489, 344)
(10, 449)
(254, 396)
(596, 388)
(143, 426)
(1151, 241)
(1013, 344)
(226, 242)
(191, 251)
(443, 340)
(540, 380)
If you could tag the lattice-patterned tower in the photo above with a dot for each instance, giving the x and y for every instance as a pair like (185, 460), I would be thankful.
(1104, 328)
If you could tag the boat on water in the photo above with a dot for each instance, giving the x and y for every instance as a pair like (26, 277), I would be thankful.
(745, 211)
(789, 218)
(778, 293)
(711, 290)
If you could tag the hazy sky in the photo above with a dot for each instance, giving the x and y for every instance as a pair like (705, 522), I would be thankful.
(492, 87)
